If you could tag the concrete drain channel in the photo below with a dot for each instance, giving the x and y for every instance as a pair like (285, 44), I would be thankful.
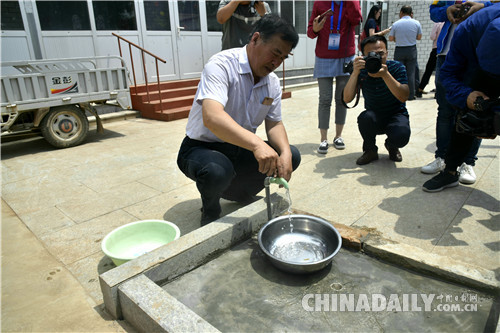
(216, 279)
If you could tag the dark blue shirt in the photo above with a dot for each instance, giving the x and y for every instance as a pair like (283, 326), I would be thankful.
(473, 61)
(371, 24)
(377, 95)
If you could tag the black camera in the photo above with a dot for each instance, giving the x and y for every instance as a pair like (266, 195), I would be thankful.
(480, 122)
(252, 7)
(464, 8)
(373, 63)
(348, 67)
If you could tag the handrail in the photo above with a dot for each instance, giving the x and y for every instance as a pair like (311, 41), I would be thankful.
(130, 44)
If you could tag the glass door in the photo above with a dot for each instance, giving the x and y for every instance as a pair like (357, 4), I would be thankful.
(188, 35)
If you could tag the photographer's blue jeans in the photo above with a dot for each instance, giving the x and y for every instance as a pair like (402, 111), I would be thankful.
(223, 170)
(445, 124)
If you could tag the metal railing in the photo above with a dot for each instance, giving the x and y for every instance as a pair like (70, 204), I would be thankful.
(130, 44)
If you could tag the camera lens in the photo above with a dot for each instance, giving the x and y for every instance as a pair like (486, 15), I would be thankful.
(373, 62)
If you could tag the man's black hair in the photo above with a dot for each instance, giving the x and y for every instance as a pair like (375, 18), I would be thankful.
(272, 24)
(406, 10)
(372, 39)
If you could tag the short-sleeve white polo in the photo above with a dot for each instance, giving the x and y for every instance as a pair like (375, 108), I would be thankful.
(227, 78)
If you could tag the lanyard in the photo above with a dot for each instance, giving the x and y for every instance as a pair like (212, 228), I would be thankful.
(340, 17)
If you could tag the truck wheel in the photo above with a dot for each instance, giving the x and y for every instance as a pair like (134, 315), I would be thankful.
(65, 126)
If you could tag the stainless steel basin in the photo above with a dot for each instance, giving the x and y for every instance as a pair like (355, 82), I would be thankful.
(299, 243)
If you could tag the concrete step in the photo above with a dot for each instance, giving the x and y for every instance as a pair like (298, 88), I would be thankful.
(294, 80)
(165, 94)
(165, 85)
(167, 115)
(294, 72)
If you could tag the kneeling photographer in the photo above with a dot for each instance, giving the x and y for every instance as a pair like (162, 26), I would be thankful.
(471, 75)
(384, 84)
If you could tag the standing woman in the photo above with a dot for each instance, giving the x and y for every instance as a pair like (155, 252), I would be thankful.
(373, 22)
(335, 46)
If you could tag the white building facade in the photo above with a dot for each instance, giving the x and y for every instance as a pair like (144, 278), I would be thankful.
(184, 33)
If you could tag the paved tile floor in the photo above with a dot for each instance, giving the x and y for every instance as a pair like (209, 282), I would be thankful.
(57, 205)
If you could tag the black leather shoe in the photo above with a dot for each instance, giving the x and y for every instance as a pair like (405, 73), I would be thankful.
(394, 154)
(207, 218)
(367, 157)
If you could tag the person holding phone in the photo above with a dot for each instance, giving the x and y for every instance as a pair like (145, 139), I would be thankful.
(238, 18)
(335, 46)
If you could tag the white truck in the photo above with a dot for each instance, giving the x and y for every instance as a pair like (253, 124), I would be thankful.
(52, 96)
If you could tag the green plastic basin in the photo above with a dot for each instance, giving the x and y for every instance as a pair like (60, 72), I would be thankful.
(134, 239)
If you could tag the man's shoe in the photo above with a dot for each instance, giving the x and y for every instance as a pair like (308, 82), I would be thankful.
(338, 143)
(207, 218)
(367, 157)
(438, 183)
(323, 147)
(418, 94)
(467, 174)
(434, 166)
(394, 154)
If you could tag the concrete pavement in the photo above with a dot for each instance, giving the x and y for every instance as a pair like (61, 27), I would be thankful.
(57, 205)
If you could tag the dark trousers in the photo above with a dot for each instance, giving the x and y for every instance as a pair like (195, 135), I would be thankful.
(460, 145)
(429, 68)
(223, 170)
(396, 127)
(445, 124)
(407, 55)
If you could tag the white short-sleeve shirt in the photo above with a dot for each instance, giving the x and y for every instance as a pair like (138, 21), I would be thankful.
(227, 78)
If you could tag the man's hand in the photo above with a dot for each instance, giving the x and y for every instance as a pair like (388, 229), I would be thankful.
(452, 11)
(317, 24)
(472, 98)
(474, 7)
(260, 8)
(285, 167)
(383, 71)
(357, 65)
(268, 159)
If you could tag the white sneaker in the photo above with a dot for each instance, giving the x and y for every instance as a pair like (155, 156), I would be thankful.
(467, 174)
(339, 143)
(323, 147)
(435, 166)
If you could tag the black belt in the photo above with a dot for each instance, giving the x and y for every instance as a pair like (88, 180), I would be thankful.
(404, 47)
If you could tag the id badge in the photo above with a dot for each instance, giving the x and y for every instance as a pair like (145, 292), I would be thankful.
(334, 42)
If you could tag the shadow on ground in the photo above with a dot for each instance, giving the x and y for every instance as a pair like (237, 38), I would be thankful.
(22, 146)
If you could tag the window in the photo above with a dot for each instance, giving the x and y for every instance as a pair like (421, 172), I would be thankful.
(273, 5)
(287, 11)
(301, 19)
(114, 15)
(63, 15)
(11, 16)
(157, 15)
(212, 7)
(189, 15)
(310, 5)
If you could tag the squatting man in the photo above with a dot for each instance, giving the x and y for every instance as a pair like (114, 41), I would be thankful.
(385, 89)
(236, 94)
